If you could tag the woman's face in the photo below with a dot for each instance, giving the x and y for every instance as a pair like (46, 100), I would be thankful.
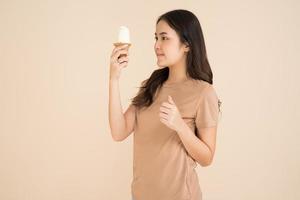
(168, 48)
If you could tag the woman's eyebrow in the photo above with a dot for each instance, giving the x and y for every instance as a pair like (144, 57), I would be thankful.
(162, 33)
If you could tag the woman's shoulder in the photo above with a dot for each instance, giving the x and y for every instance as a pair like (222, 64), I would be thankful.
(200, 85)
(204, 89)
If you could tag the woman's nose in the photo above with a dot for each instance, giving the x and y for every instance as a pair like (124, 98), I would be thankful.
(157, 45)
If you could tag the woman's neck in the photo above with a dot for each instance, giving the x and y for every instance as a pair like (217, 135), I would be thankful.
(177, 73)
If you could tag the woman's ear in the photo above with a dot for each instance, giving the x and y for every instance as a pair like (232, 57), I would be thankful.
(186, 48)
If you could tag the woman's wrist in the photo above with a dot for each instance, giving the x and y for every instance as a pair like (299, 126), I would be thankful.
(181, 126)
(112, 80)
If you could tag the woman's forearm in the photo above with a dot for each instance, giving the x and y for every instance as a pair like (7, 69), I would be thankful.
(195, 147)
(116, 116)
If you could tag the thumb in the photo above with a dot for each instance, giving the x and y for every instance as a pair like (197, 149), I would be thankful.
(170, 99)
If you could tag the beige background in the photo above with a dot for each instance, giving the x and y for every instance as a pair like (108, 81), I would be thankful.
(55, 139)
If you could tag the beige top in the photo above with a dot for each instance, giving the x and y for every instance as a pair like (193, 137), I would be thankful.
(162, 167)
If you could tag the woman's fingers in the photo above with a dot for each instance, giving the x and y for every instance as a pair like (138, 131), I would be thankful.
(167, 105)
(119, 57)
(119, 48)
(164, 109)
(123, 64)
(122, 59)
(118, 53)
(116, 56)
(164, 116)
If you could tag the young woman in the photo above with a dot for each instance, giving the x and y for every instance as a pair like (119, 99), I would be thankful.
(174, 115)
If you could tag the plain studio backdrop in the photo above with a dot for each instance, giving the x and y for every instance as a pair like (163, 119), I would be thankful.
(55, 140)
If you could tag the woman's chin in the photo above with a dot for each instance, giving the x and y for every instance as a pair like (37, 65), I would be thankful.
(160, 64)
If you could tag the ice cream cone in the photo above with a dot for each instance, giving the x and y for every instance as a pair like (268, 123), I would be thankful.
(116, 44)
(123, 38)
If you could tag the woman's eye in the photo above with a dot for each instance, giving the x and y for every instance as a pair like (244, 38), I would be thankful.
(163, 38)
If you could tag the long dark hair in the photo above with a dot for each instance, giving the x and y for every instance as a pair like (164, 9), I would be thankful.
(187, 26)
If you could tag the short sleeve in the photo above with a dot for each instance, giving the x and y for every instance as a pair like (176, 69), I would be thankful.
(207, 111)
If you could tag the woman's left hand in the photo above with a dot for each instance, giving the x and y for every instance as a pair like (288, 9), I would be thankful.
(170, 115)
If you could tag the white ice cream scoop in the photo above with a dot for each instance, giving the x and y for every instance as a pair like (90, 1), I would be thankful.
(123, 36)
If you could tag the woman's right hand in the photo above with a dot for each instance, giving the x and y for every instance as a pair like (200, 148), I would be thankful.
(118, 59)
